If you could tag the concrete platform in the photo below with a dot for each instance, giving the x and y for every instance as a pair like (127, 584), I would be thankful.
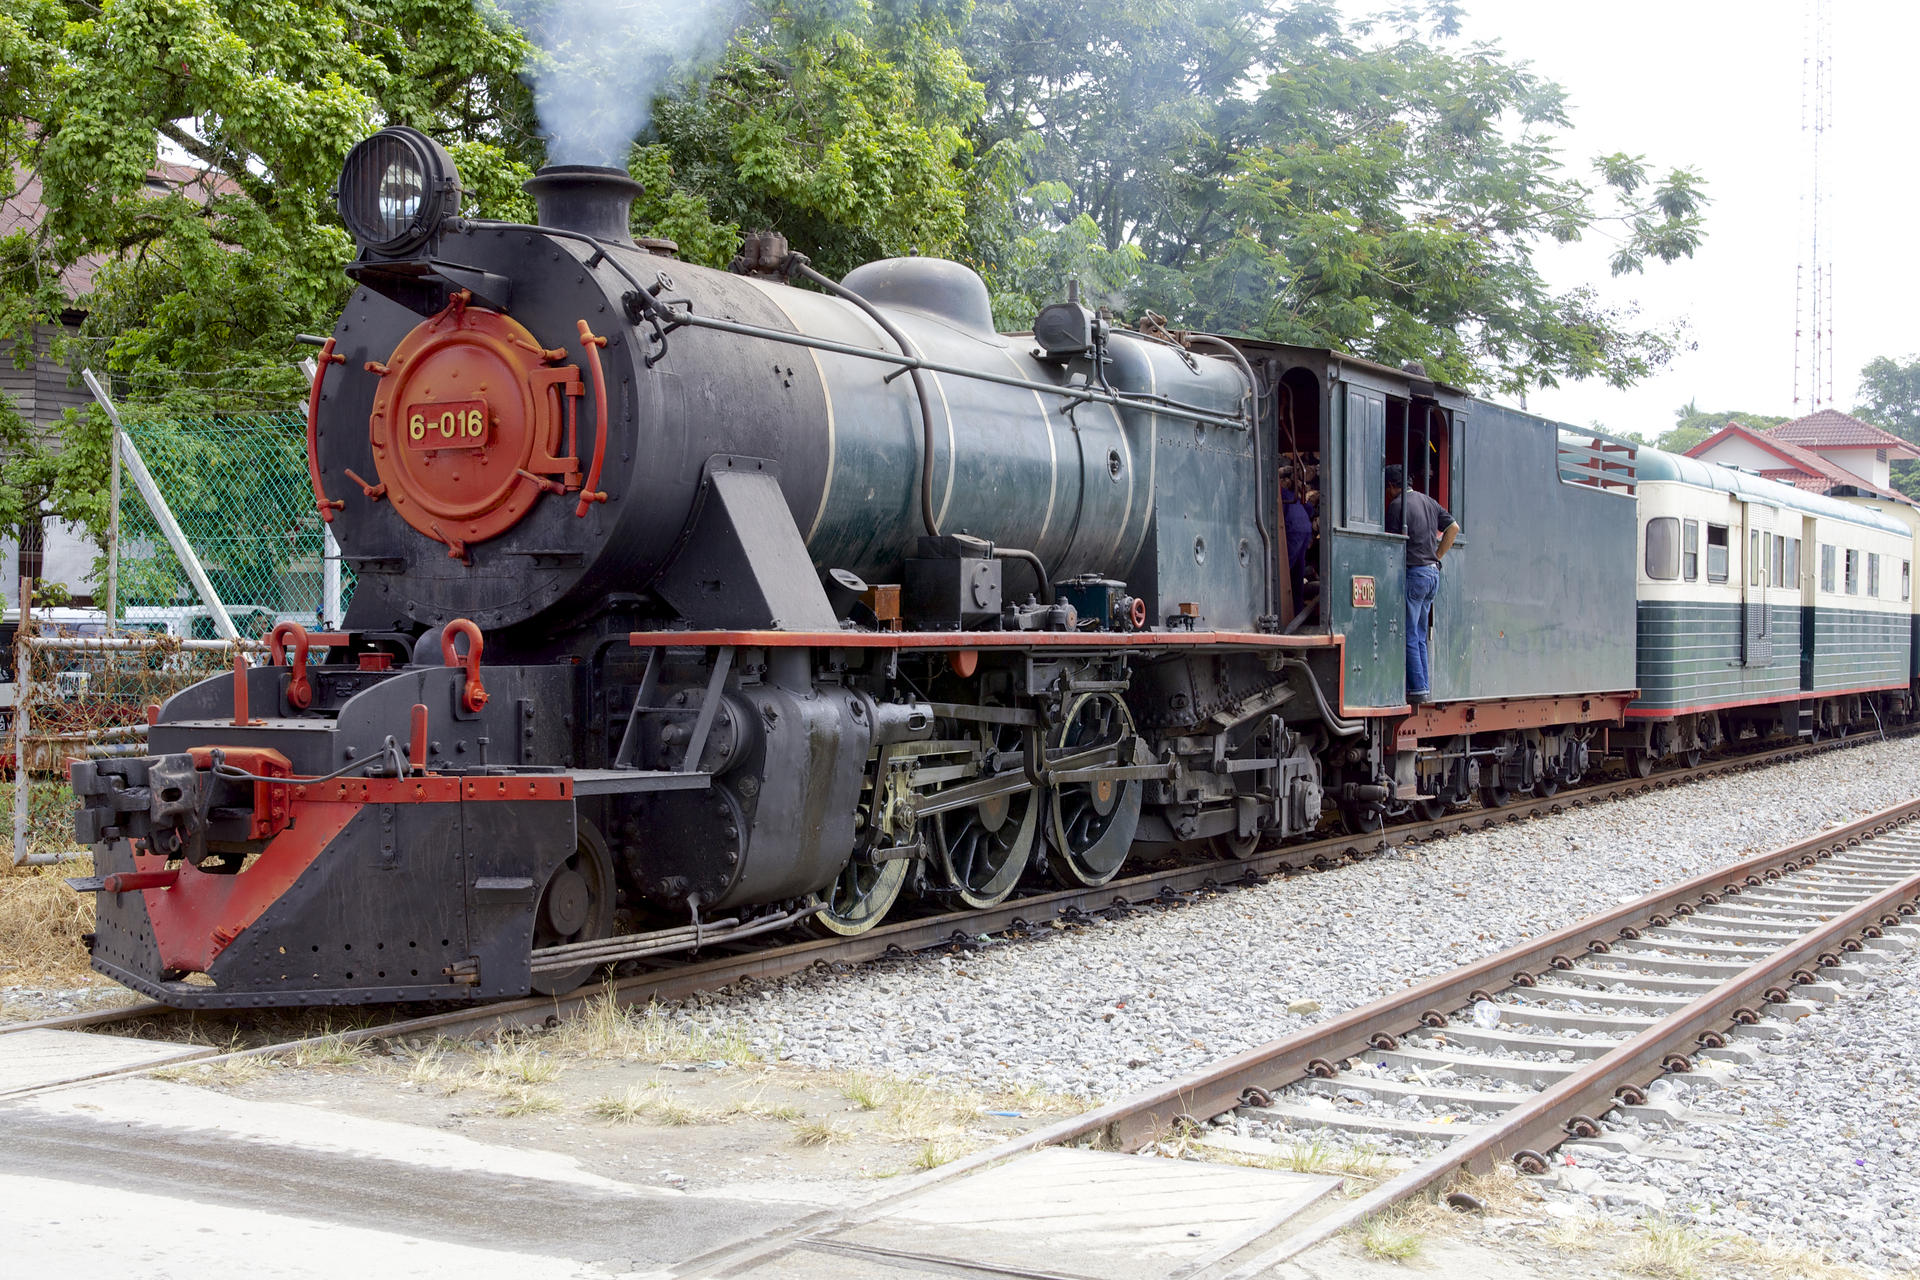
(1064, 1215)
(31, 1059)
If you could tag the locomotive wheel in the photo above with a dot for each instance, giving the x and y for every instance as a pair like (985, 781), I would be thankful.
(861, 896)
(576, 905)
(1232, 845)
(1430, 810)
(1496, 797)
(1360, 819)
(1639, 763)
(1693, 758)
(1543, 786)
(980, 852)
(1091, 824)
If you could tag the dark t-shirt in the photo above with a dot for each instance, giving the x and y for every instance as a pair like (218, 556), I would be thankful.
(1423, 521)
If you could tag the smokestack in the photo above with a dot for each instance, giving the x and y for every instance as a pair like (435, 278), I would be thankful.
(594, 200)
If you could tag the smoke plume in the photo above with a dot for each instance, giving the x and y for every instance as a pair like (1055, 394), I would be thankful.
(602, 63)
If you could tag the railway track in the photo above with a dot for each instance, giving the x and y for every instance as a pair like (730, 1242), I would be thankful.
(676, 979)
(1667, 984)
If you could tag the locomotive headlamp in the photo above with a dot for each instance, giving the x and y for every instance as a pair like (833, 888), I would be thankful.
(1067, 329)
(396, 188)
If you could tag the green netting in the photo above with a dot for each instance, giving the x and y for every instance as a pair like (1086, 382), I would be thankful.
(238, 486)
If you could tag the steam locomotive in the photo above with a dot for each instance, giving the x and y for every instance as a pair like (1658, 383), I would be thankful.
(695, 604)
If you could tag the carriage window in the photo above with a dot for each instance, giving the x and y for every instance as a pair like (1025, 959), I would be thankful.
(1753, 558)
(1826, 567)
(1873, 574)
(1663, 548)
(1792, 578)
(1779, 545)
(1716, 553)
(1853, 573)
(1690, 549)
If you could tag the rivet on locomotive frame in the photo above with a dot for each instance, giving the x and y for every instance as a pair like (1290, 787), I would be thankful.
(694, 605)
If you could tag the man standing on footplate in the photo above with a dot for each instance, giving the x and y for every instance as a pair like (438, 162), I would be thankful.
(1430, 530)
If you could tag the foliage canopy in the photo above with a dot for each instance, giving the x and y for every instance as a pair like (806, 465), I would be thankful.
(1381, 186)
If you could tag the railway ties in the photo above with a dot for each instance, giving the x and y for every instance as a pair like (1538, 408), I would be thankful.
(1558, 1041)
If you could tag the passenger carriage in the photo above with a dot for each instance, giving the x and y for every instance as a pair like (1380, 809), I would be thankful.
(1761, 608)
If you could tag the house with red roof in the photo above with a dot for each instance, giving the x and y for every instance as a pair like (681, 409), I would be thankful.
(41, 388)
(1825, 452)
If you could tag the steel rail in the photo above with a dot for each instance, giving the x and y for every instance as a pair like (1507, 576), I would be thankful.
(1145, 888)
(1130, 1123)
(1546, 1119)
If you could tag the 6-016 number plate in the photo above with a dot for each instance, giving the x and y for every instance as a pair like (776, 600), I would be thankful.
(459, 424)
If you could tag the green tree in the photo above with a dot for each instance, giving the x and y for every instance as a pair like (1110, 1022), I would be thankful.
(1693, 424)
(840, 123)
(1889, 398)
(1373, 187)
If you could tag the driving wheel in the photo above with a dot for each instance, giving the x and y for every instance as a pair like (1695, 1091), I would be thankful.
(980, 851)
(1091, 824)
(860, 896)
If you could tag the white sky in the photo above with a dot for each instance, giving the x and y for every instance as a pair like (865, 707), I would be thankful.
(1715, 85)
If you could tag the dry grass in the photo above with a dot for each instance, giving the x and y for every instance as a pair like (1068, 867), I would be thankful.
(525, 1100)
(1579, 1234)
(604, 1029)
(431, 1068)
(235, 1071)
(1502, 1191)
(1788, 1261)
(513, 1061)
(1364, 1163)
(913, 1110)
(41, 923)
(755, 1107)
(1664, 1249)
(936, 1152)
(327, 1050)
(620, 1108)
(1389, 1240)
(819, 1133)
(1667, 1250)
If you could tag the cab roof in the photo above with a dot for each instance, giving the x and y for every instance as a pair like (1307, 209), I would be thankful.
(1651, 466)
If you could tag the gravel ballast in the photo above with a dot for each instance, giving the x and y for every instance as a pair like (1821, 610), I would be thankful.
(1822, 1152)
(1109, 1008)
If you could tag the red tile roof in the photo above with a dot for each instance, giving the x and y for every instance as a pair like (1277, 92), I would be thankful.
(1805, 470)
(1831, 429)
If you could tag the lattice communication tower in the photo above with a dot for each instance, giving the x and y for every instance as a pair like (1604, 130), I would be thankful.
(1813, 273)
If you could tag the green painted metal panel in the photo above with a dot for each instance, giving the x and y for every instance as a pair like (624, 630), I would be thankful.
(1853, 648)
(1376, 674)
(1690, 655)
(1537, 597)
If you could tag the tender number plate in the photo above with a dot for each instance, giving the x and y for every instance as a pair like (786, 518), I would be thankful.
(459, 424)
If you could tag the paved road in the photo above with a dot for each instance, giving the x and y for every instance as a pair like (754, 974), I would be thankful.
(147, 1178)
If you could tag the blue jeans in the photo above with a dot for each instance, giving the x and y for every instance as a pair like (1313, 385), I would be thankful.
(1423, 583)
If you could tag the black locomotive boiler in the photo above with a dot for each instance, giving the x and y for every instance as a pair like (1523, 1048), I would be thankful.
(699, 603)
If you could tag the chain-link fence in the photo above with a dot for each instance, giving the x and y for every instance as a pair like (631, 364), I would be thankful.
(81, 697)
(237, 486)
